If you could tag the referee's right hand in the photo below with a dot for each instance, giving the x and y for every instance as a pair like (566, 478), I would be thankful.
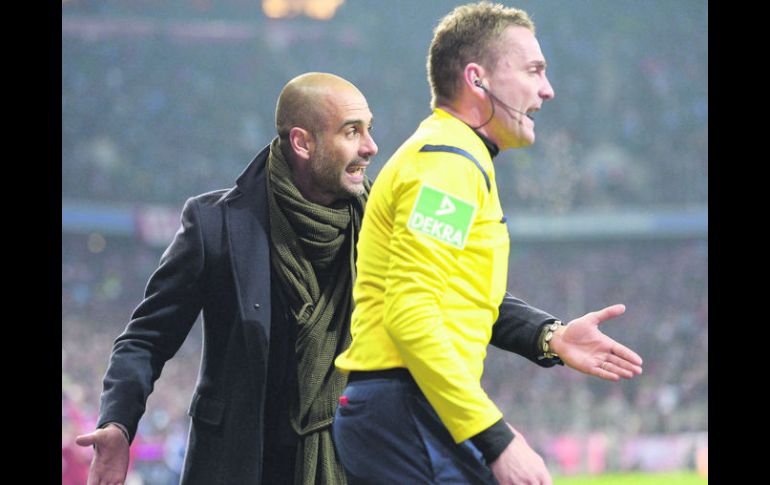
(520, 464)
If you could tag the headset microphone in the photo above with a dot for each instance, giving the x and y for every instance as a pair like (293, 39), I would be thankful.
(494, 99)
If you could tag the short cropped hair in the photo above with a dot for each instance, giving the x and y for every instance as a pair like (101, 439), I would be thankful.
(469, 33)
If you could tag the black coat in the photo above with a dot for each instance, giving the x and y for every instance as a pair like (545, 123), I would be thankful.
(219, 263)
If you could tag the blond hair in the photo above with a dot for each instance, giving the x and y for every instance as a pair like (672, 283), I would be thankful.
(469, 33)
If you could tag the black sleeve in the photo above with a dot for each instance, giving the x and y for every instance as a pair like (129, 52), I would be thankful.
(492, 441)
(518, 327)
(157, 328)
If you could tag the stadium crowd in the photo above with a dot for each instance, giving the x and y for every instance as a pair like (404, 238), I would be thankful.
(666, 322)
(156, 109)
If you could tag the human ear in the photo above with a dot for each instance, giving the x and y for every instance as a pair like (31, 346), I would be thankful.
(302, 142)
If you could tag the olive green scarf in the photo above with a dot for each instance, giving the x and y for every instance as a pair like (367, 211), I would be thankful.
(307, 240)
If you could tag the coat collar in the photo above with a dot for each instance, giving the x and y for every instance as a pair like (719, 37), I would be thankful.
(248, 225)
(252, 182)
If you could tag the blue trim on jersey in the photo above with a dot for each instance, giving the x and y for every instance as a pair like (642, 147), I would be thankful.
(458, 151)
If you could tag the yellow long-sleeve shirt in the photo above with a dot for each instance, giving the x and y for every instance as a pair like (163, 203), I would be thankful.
(432, 269)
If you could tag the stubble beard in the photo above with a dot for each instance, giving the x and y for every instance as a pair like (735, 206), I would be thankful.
(330, 175)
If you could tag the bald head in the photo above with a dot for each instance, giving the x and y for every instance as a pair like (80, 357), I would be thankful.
(307, 100)
(324, 122)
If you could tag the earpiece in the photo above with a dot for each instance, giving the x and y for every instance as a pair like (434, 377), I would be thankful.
(477, 82)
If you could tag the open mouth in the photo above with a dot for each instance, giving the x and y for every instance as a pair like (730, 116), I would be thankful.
(357, 170)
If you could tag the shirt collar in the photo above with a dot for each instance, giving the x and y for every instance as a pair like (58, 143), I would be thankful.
(491, 146)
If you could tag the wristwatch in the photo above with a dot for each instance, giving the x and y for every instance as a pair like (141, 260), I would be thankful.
(545, 338)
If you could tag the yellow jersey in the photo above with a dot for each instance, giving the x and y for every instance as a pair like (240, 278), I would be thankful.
(432, 271)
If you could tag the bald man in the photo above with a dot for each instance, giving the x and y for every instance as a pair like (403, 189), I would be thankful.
(269, 262)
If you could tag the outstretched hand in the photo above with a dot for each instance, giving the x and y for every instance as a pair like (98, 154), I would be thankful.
(582, 346)
(111, 455)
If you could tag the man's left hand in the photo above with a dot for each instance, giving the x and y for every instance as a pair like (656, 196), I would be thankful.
(582, 346)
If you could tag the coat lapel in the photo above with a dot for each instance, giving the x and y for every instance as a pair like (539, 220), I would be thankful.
(247, 225)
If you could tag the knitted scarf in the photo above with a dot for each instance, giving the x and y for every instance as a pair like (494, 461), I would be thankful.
(308, 239)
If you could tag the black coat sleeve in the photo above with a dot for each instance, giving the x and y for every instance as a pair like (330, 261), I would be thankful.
(518, 327)
(158, 326)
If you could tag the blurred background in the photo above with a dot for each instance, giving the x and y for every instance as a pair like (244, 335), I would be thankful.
(165, 100)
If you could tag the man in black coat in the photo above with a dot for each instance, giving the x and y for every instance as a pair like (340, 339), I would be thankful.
(270, 263)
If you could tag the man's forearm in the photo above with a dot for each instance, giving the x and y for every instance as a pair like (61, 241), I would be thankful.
(518, 328)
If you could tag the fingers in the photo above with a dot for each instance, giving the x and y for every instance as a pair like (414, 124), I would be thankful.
(104, 481)
(609, 312)
(93, 477)
(519, 463)
(627, 355)
(622, 362)
(607, 371)
(86, 439)
(614, 368)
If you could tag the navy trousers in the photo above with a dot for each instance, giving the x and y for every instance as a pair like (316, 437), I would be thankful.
(386, 432)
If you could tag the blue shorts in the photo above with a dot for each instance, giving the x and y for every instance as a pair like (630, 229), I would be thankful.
(386, 432)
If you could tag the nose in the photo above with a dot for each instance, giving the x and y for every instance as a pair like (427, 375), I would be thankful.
(546, 91)
(368, 146)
